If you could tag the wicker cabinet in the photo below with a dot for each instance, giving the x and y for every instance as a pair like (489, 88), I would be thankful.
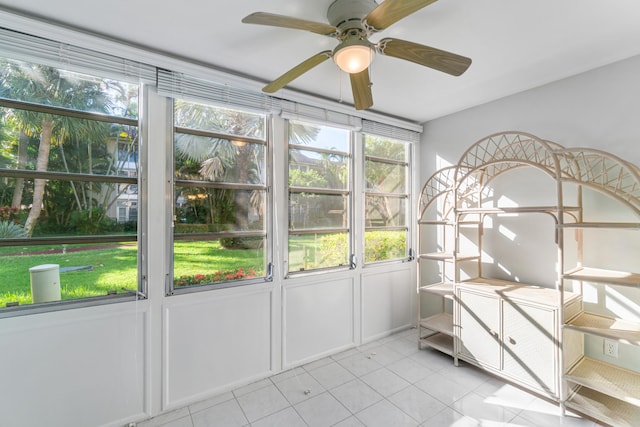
(511, 330)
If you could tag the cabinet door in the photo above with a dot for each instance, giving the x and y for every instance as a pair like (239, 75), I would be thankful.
(479, 328)
(529, 344)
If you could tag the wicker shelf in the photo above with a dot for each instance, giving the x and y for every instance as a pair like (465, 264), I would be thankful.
(614, 381)
(437, 256)
(605, 225)
(434, 222)
(443, 289)
(441, 322)
(515, 290)
(516, 209)
(621, 330)
(440, 342)
(602, 407)
(447, 256)
(613, 277)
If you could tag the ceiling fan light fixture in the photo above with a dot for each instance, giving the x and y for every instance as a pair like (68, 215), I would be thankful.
(353, 56)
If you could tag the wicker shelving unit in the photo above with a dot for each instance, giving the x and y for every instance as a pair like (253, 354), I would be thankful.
(436, 330)
(600, 387)
(597, 386)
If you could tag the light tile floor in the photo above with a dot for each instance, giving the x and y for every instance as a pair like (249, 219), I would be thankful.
(386, 383)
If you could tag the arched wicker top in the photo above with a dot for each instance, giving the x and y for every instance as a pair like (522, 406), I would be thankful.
(602, 171)
(439, 184)
(501, 152)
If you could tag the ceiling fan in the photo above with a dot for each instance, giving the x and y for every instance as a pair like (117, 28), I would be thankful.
(352, 22)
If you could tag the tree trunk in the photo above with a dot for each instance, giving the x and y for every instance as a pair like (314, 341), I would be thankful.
(66, 168)
(241, 198)
(23, 142)
(42, 163)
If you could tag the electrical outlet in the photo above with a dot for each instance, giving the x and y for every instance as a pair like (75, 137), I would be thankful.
(611, 348)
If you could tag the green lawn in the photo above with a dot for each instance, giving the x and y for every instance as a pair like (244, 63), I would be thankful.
(114, 268)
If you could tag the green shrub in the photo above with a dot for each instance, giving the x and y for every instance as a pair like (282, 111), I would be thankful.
(91, 221)
(379, 246)
(191, 228)
(333, 248)
(384, 245)
(241, 242)
(11, 230)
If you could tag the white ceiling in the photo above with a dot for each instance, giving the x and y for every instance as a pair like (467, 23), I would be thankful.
(515, 44)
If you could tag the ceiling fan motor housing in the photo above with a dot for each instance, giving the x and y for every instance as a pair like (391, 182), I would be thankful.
(348, 14)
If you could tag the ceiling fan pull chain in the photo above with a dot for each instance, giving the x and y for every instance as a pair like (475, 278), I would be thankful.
(340, 74)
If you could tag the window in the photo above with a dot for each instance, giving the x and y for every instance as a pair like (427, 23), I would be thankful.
(63, 183)
(219, 197)
(319, 197)
(386, 172)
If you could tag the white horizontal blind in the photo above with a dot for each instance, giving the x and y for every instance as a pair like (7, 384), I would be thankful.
(178, 85)
(388, 131)
(298, 111)
(183, 86)
(28, 48)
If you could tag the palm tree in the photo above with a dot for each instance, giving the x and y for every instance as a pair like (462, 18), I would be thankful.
(50, 86)
(224, 159)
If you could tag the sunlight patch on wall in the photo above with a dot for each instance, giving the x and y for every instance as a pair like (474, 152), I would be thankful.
(505, 269)
(507, 232)
(505, 202)
(589, 293)
(623, 306)
(442, 163)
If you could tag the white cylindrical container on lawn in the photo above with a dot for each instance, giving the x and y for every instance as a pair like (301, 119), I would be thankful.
(45, 283)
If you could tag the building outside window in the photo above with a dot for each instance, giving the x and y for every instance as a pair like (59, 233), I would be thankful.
(386, 172)
(220, 195)
(319, 197)
(65, 171)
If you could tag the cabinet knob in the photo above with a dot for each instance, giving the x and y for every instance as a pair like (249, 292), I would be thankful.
(512, 341)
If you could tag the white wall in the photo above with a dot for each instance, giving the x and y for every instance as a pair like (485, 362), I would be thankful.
(598, 109)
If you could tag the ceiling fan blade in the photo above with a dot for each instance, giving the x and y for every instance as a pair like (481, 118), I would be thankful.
(297, 71)
(361, 88)
(391, 11)
(264, 18)
(431, 57)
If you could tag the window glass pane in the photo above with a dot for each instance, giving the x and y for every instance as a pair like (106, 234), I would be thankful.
(201, 158)
(385, 148)
(319, 137)
(386, 177)
(318, 250)
(318, 170)
(95, 147)
(60, 88)
(319, 160)
(203, 262)
(219, 197)
(221, 120)
(385, 211)
(317, 211)
(81, 271)
(68, 185)
(386, 198)
(199, 209)
(383, 245)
